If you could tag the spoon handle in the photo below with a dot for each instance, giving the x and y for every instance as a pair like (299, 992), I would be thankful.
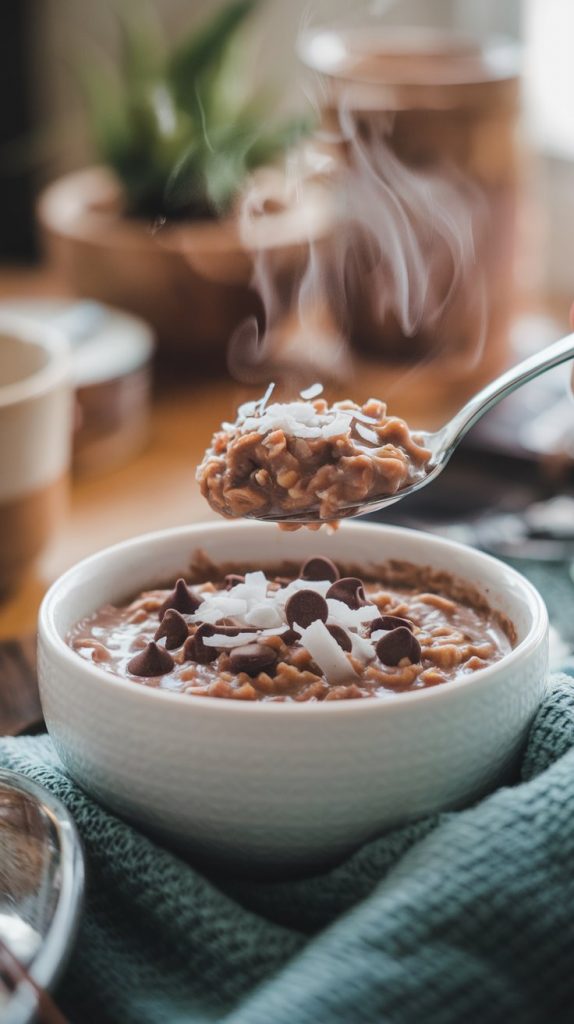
(551, 356)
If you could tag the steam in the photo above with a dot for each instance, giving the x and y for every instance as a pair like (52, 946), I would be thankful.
(413, 225)
(291, 279)
(401, 245)
(408, 244)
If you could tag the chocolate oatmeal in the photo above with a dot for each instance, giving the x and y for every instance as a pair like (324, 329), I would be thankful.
(283, 459)
(318, 637)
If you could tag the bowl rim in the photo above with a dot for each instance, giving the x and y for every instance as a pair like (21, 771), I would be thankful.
(53, 372)
(48, 633)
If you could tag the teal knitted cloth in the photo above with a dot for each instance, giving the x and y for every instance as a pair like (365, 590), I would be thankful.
(462, 917)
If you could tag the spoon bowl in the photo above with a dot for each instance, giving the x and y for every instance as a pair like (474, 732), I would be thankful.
(373, 504)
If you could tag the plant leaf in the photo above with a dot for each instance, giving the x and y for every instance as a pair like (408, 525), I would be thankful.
(275, 139)
(202, 49)
(185, 186)
(104, 100)
(142, 46)
(224, 174)
(182, 133)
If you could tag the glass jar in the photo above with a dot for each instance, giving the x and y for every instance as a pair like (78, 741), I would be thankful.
(423, 128)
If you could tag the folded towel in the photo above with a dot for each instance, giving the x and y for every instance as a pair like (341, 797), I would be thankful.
(465, 916)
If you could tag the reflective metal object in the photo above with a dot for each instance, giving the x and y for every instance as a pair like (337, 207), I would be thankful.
(41, 888)
(443, 442)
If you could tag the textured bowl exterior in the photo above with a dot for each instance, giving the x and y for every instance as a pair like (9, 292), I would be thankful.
(284, 786)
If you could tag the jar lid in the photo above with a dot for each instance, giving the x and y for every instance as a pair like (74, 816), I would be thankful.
(106, 343)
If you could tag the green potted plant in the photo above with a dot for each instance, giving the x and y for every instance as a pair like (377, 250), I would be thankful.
(153, 228)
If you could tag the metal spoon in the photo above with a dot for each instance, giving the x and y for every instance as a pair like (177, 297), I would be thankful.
(443, 442)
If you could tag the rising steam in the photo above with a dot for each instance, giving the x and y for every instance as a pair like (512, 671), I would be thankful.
(402, 245)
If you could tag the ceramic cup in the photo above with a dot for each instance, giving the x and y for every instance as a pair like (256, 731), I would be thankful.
(35, 441)
(276, 787)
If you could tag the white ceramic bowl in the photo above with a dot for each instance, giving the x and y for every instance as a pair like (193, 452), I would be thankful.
(284, 785)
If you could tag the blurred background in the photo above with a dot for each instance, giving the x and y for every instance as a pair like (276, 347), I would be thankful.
(47, 41)
(204, 196)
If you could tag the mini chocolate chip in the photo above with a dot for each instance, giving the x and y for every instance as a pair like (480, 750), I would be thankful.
(182, 599)
(174, 628)
(305, 607)
(194, 648)
(396, 645)
(341, 636)
(252, 659)
(389, 622)
(152, 661)
(350, 591)
(232, 579)
(319, 568)
(290, 636)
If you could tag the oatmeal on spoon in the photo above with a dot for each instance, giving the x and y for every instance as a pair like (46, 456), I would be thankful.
(307, 461)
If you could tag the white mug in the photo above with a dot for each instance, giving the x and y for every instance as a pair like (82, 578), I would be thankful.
(35, 442)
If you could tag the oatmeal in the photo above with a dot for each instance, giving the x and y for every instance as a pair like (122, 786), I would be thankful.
(318, 637)
(283, 459)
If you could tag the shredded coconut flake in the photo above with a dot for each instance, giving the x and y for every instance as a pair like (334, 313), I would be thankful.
(253, 589)
(358, 415)
(256, 579)
(342, 615)
(340, 425)
(366, 434)
(223, 640)
(362, 648)
(325, 650)
(216, 606)
(312, 392)
(263, 401)
(319, 586)
(264, 615)
(298, 419)
(247, 409)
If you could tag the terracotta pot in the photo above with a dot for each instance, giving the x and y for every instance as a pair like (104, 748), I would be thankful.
(190, 281)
